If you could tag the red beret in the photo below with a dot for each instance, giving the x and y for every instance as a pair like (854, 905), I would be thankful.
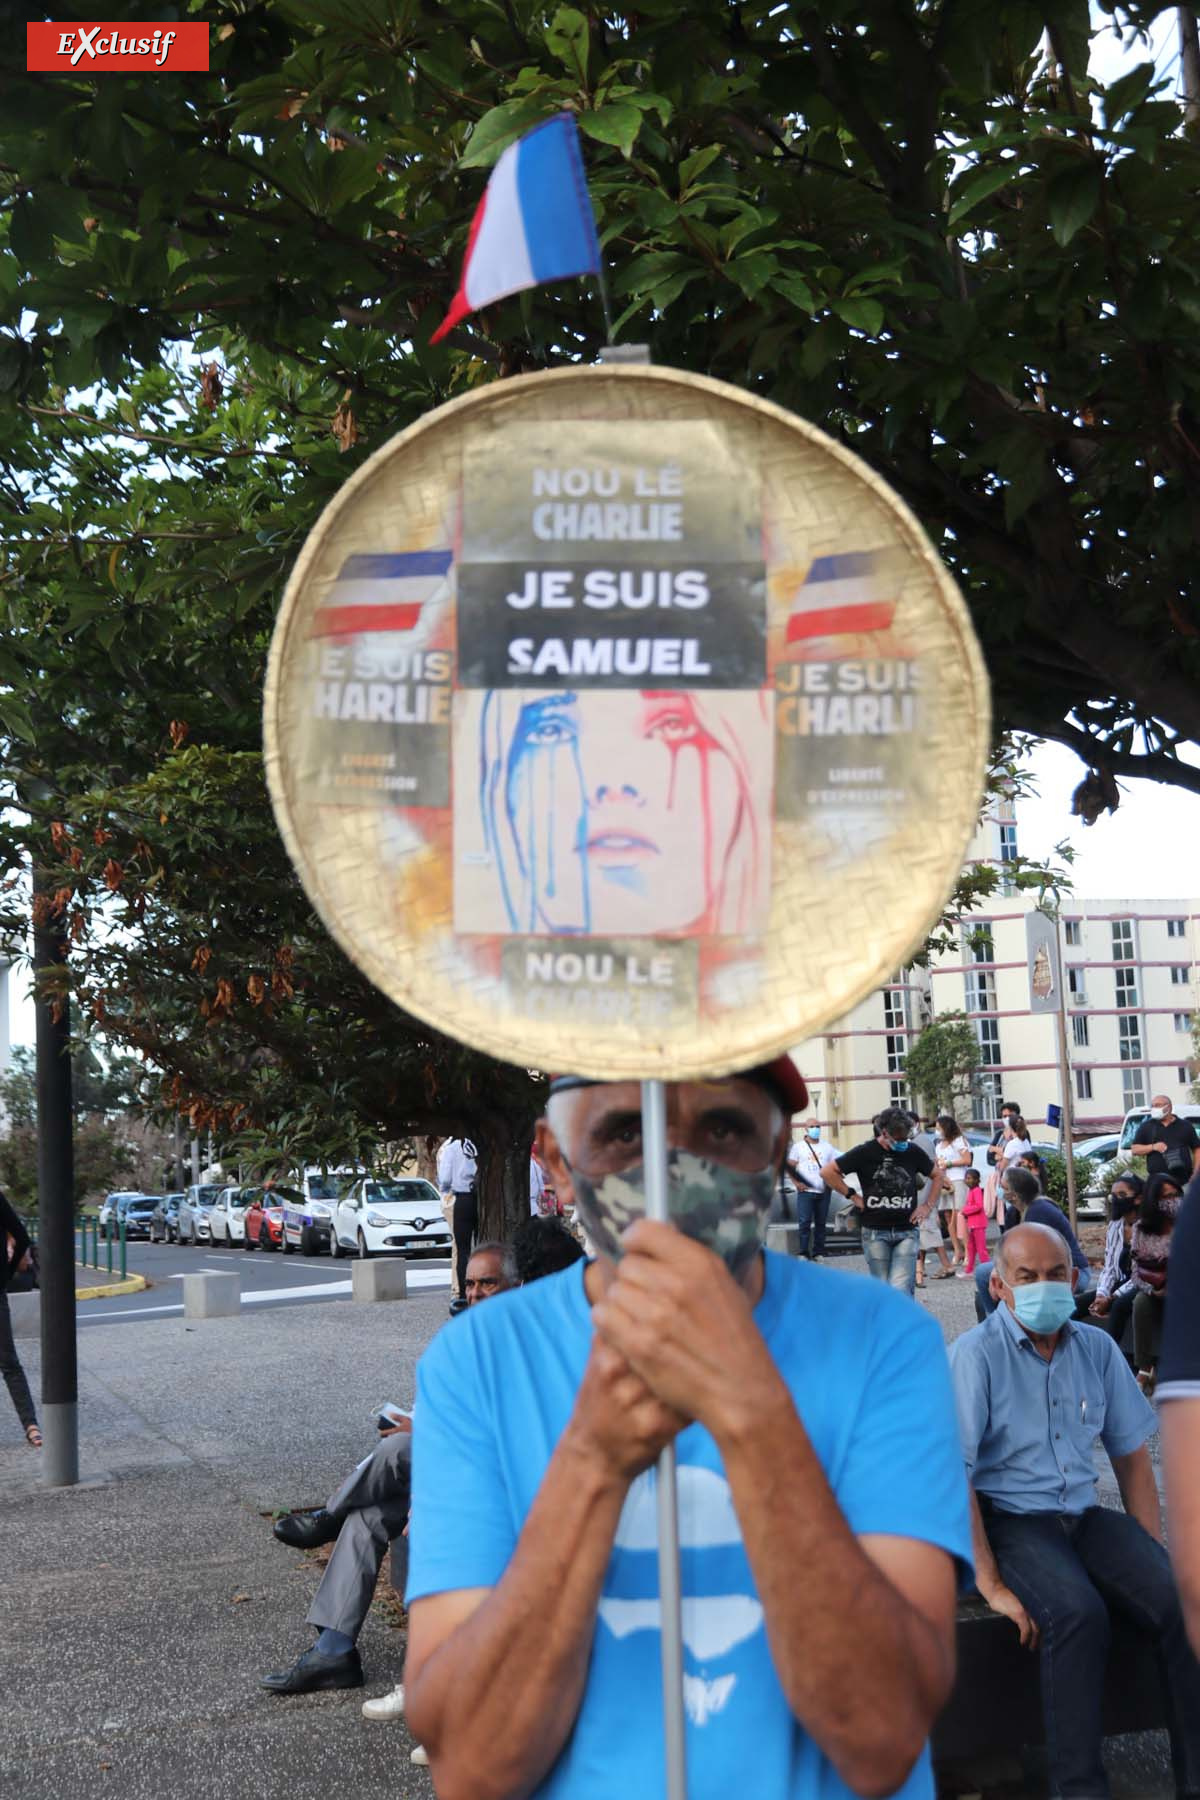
(782, 1077)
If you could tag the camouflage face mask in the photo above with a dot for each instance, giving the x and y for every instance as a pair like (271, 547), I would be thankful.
(724, 1208)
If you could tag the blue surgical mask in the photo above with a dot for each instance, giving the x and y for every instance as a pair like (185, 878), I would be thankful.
(900, 1144)
(1043, 1306)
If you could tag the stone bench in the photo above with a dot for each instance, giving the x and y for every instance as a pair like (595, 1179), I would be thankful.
(994, 1714)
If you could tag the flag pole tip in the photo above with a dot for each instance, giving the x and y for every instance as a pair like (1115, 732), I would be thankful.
(624, 353)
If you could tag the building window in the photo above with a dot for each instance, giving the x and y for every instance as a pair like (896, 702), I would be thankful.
(1083, 1084)
(1073, 931)
(981, 991)
(1077, 986)
(897, 1015)
(989, 1042)
(1122, 940)
(1133, 1083)
(1183, 1021)
(1181, 1074)
(1179, 976)
(1127, 993)
(1176, 927)
(986, 1096)
(1129, 1032)
(978, 943)
(1079, 1030)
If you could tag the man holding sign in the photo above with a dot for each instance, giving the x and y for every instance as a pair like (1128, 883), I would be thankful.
(822, 1504)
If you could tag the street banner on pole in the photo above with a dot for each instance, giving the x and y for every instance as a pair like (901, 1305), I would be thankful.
(1045, 974)
(621, 722)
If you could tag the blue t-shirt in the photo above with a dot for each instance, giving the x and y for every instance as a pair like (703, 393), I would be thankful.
(867, 1371)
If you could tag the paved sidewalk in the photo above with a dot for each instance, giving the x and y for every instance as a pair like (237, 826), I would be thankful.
(142, 1606)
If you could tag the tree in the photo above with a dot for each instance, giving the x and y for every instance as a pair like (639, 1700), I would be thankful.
(900, 222)
(942, 1062)
(108, 1153)
(930, 229)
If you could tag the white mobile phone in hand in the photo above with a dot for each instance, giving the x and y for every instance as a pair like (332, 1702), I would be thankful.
(389, 1416)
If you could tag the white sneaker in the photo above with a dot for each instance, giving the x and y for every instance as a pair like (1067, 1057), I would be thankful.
(420, 1756)
(386, 1706)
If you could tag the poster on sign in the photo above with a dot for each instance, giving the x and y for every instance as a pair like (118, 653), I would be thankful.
(621, 720)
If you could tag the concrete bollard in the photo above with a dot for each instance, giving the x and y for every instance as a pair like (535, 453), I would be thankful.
(784, 1238)
(386, 1279)
(212, 1296)
(25, 1311)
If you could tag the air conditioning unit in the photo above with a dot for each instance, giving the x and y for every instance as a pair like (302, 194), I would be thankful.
(1077, 998)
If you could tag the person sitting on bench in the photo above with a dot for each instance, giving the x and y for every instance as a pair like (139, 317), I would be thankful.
(1034, 1392)
(367, 1511)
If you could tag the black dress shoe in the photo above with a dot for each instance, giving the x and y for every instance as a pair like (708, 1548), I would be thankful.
(305, 1530)
(312, 1672)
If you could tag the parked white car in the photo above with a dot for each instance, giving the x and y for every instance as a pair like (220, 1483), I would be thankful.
(402, 1216)
(227, 1220)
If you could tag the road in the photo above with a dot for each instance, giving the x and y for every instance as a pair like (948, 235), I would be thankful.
(268, 1279)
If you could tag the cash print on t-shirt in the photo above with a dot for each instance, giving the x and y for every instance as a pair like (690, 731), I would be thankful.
(891, 1191)
(891, 1182)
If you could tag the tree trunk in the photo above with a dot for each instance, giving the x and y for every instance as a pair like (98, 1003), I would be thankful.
(1189, 65)
(503, 1181)
(427, 1148)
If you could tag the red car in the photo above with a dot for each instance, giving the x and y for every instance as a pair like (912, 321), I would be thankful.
(264, 1219)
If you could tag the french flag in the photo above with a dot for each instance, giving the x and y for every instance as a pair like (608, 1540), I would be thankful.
(839, 597)
(381, 592)
(533, 224)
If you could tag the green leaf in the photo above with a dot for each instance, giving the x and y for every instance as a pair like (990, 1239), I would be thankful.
(975, 188)
(1126, 95)
(797, 290)
(1072, 198)
(618, 124)
(14, 717)
(861, 313)
(694, 165)
(567, 38)
(500, 128)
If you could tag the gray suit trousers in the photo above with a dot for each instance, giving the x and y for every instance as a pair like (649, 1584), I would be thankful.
(372, 1504)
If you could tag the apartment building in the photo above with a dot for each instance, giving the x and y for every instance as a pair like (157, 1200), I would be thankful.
(1132, 970)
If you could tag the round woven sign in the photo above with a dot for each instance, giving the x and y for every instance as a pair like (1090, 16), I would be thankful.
(619, 722)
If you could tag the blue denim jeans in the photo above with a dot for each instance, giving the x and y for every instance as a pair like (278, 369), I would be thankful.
(892, 1256)
(1069, 1571)
(812, 1211)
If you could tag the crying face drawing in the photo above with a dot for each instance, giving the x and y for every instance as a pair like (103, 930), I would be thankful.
(714, 1624)
(627, 811)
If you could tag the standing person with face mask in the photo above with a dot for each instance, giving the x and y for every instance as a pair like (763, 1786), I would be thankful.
(806, 1159)
(456, 1172)
(813, 1428)
(1035, 1393)
(1150, 1246)
(891, 1171)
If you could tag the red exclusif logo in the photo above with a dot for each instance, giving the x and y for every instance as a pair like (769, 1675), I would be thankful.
(102, 46)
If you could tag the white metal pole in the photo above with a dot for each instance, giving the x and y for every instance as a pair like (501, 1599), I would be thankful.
(654, 1162)
(1064, 1065)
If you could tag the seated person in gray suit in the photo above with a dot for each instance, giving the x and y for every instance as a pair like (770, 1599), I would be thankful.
(364, 1515)
(370, 1509)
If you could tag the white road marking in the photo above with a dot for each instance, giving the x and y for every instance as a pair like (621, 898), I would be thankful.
(417, 1278)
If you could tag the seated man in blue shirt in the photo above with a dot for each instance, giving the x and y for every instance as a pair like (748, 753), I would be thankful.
(1022, 1190)
(1034, 1392)
(822, 1506)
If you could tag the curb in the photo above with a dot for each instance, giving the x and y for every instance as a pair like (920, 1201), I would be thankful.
(133, 1284)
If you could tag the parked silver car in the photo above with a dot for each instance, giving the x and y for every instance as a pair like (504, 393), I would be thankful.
(193, 1224)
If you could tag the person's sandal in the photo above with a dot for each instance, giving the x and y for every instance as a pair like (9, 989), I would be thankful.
(34, 1436)
(1145, 1380)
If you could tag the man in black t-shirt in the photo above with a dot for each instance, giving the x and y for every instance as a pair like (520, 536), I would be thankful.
(891, 1172)
(1168, 1143)
(1177, 1398)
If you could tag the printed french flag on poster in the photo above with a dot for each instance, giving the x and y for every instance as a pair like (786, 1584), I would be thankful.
(534, 223)
(382, 592)
(840, 597)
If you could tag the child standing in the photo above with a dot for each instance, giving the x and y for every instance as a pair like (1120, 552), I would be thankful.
(974, 1215)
